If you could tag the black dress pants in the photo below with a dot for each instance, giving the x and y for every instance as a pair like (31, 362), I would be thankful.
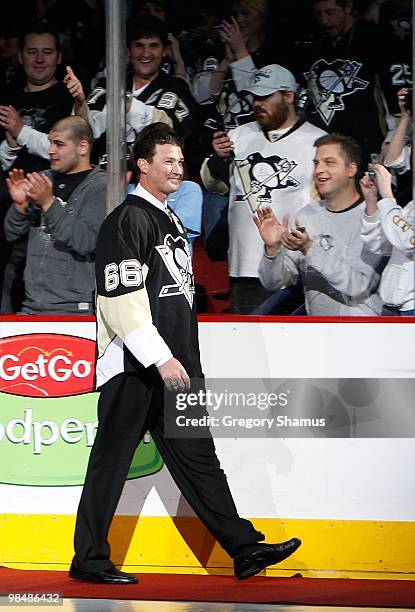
(127, 408)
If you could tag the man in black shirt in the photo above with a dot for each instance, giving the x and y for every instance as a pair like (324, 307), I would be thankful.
(27, 115)
(147, 336)
(38, 105)
(350, 61)
(154, 94)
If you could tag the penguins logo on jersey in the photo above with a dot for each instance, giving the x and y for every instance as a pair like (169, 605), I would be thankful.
(329, 82)
(34, 117)
(261, 175)
(176, 256)
(326, 241)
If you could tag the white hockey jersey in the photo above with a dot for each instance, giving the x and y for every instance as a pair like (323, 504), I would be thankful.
(273, 169)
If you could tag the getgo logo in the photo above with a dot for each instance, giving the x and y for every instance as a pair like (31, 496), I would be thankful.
(46, 365)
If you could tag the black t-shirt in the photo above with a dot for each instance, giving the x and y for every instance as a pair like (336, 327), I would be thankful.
(40, 110)
(65, 184)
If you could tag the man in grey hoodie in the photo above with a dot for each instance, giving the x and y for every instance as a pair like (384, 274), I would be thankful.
(61, 210)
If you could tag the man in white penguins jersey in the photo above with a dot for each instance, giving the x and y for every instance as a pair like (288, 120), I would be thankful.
(325, 248)
(267, 162)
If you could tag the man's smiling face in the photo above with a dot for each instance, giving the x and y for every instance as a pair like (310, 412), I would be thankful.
(146, 56)
(332, 171)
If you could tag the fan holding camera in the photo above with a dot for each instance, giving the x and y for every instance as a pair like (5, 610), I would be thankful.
(390, 230)
(399, 151)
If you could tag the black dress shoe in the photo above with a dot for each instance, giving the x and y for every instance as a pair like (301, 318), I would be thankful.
(250, 563)
(110, 575)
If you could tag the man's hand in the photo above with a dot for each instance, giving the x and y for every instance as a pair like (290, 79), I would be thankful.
(231, 34)
(228, 59)
(74, 86)
(39, 188)
(383, 181)
(16, 185)
(174, 375)
(370, 194)
(402, 95)
(270, 229)
(173, 50)
(10, 120)
(297, 239)
(222, 145)
(76, 90)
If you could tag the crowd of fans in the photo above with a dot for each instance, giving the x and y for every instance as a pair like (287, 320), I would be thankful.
(290, 113)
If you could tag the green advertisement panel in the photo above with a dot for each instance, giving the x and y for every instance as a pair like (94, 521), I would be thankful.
(47, 441)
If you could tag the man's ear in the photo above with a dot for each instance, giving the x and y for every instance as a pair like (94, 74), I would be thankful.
(289, 97)
(84, 147)
(143, 165)
(353, 169)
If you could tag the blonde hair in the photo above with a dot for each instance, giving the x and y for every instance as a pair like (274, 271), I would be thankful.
(261, 6)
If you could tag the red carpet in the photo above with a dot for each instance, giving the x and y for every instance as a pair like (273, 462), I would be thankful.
(184, 587)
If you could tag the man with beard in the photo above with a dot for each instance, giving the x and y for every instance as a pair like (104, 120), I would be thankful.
(267, 162)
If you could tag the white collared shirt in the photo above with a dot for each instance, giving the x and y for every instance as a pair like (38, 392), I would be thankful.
(143, 193)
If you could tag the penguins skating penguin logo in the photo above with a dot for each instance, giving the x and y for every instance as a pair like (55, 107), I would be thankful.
(330, 82)
(176, 256)
(261, 175)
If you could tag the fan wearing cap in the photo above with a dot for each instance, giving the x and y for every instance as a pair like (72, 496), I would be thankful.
(266, 162)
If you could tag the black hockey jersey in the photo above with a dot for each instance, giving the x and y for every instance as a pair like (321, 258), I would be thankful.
(166, 93)
(341, 81)
(146, 310)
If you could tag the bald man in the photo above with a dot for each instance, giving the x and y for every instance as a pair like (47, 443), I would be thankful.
(61, 210)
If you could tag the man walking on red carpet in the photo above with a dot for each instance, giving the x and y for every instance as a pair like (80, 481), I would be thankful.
(147, 340)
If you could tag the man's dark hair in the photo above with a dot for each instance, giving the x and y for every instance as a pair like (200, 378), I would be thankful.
(78, 128)
(145, 27)
(152, 135)
(348, 145)
(40, 28)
